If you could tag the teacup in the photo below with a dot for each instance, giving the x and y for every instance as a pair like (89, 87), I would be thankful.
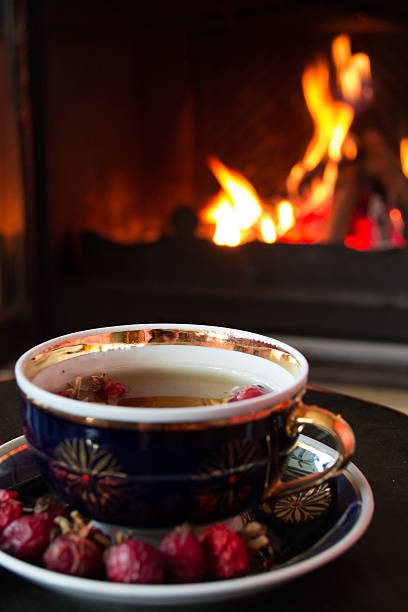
(151, 467)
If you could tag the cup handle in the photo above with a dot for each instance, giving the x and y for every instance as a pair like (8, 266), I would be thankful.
(334, 425)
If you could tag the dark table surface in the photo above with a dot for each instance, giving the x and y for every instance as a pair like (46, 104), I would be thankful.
(372, 575)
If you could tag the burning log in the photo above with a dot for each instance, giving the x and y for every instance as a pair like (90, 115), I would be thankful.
(345, 200)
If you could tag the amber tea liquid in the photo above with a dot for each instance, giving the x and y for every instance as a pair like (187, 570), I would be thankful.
(181, 386)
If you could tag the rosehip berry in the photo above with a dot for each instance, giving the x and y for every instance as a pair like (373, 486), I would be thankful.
(6, 495)
(112, 390)
(183, 555)
(27, 537)
(248, 392)
(10, 509)
(74, 555)
(225, 552)
(134, 561)
(8, 512)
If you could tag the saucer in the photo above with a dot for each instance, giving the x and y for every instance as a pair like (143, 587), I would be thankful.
(306, 530)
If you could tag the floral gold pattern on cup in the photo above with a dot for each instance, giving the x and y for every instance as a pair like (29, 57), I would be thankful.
(86, 470)
(233, 462)
(231, 456)
(303, 506)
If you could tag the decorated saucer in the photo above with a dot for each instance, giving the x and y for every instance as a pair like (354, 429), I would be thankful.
(306, 530)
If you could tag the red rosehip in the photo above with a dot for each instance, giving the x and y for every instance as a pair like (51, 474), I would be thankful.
(225, 552)
(74, 555)
(10, 509)
(134, 561)
(6, 495)
(183, 555)
(8, 512)
(27, 537)
(248, 392)
(112, 390)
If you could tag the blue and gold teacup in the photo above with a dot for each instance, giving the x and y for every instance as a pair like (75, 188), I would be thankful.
(149, 467)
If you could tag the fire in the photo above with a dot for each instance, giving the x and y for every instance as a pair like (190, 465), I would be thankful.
(244, 199)
(332, 121)
(238, 208)
(227, 229)
(404, 156)
(268, 229)
(353, 71)
(286, 217)
(350, 148)
(238, 212)
(235, 209)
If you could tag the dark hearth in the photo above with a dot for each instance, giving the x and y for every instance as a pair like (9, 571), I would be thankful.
(321, 290)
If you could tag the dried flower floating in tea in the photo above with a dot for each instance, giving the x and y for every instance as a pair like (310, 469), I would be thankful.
(101, 387)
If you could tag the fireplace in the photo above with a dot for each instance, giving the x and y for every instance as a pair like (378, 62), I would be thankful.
(140, 120)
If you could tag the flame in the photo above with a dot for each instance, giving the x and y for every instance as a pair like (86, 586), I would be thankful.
(244, 199)
(350, 148)
(353, 71)
(235, 209)
(286, 217)
(332, 120)
(268, 229)
(227, 230)
(323, 188)
(404, 156)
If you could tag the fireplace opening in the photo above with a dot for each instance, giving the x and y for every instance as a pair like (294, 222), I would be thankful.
(142, 110)
(233, 163)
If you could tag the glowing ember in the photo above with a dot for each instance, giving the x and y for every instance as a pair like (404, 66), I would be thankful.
(395, 215)
(398, 225)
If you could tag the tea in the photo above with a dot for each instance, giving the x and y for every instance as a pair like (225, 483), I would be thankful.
(163, 387)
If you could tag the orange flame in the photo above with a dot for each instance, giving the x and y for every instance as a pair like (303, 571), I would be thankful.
(268, 229)
(353, 71)
(350, 148)
(332, 120)
(244, 199)
(227, 230)
(286, 216)
(404, 156)
(235, 209)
